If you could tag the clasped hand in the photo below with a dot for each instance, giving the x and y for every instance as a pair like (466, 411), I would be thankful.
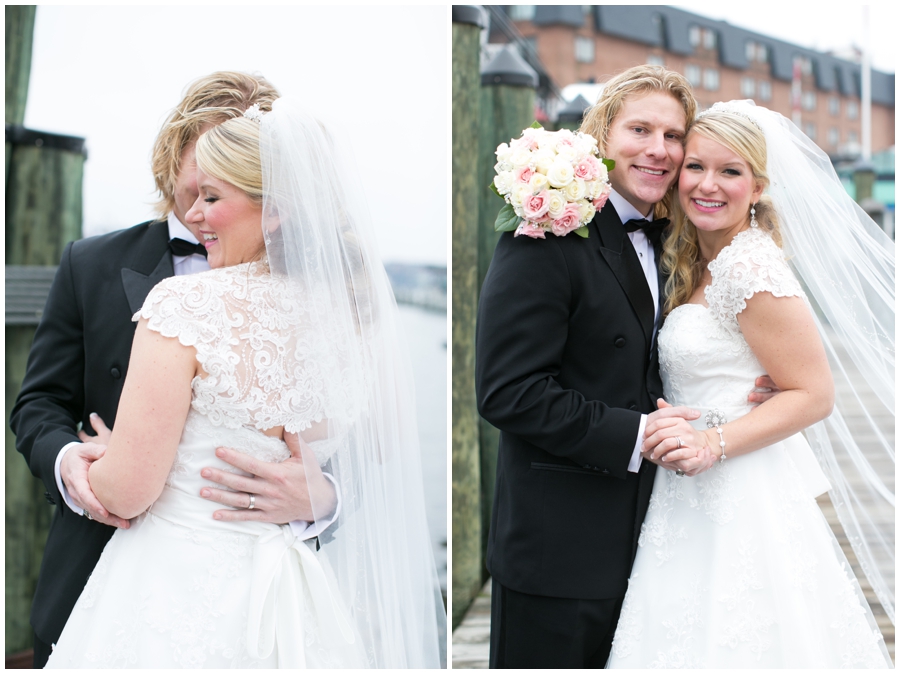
(671, 442)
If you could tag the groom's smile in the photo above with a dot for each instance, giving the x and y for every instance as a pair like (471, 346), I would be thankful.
(645, 140)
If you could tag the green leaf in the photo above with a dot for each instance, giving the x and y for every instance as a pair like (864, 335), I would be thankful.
(610, 164)
(495, 190)
(507, 220)
(536, 125)
(582, 232)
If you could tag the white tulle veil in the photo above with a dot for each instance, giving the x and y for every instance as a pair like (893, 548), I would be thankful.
(846, 265)
(318, 235)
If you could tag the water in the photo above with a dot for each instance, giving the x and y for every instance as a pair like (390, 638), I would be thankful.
(426, 335)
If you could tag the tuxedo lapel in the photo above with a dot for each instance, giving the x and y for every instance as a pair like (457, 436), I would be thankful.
(616, 249)
(153, 264)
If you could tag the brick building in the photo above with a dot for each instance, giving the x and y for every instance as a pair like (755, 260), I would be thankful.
(590, 43)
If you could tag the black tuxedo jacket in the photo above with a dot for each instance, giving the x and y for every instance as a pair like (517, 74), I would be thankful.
(565, 365)
(77, 365)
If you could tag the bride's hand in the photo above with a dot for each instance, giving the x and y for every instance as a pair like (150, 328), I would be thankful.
(670, 441)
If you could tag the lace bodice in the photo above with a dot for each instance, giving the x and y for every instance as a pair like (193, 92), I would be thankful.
(262, 365)
(705, 361)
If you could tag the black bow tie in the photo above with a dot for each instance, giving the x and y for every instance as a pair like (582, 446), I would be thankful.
(183, 248)
(652, 228)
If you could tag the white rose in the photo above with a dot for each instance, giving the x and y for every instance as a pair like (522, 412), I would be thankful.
(518, 195)
(557, 201)
(543, 160)
(503, 181)
(520, 157)
(503, 152)
(561, 173)
(567, 152)
(575, 190)
(587, 210)
(538, 182)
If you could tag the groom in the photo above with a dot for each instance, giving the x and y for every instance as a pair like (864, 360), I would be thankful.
(79, 359)
(567, 369)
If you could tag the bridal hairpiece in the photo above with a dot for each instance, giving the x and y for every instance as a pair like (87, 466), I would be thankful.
(254, 113)
(733, 108)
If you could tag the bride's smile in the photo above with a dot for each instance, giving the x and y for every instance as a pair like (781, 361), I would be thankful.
(231, 221)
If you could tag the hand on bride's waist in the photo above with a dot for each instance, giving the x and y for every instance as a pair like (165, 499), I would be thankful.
(291, 490)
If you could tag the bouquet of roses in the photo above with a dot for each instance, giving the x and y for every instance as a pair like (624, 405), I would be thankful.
(552, 181)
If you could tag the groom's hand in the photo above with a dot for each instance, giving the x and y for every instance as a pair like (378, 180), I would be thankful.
(765, 389)
(671, 442)
(73, 469)
(294, 489)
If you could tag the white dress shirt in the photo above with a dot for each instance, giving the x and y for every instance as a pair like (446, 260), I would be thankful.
(644, 248)
(191, 264)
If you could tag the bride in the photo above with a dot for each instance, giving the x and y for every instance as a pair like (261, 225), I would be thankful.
(737, 567)
(290, 339)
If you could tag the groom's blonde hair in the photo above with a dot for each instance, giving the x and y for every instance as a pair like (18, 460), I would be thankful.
(639, 80)
(207, 102)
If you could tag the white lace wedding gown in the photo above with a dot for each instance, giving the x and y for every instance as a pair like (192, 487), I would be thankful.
(737, 567)
(180, 589)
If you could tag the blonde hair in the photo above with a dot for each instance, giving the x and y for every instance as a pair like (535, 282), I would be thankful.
(208, 101)
(681, 259)
(644, 79)
(230, 152)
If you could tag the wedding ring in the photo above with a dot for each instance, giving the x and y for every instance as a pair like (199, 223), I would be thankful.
(252, 502)
(679, 472)
(86, 514)
(679, 442)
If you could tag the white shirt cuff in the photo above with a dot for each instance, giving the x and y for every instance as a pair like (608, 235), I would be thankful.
(59, 483)
(304, 530)
(635, 464)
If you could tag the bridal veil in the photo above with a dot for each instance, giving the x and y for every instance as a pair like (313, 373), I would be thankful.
(846, 265)
(318, 235)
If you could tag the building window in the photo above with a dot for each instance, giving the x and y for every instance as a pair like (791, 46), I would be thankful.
(584, 49)
(810, 130)
(834, 106)
(522, 12)
(756, 52)
(711, 79)
(834, 136)
(694, 35)
(852, 110)
(748, 87)
(765, 90)
(692, 73)
(808, 100)
(805, 65)
(702, 36)
(853, 138)
(655, 60)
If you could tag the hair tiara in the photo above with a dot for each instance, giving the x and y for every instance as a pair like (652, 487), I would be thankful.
(731, 108)
(254, 113)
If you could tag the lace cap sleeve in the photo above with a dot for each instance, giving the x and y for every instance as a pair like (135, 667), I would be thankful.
(751, 264)
(185, 307)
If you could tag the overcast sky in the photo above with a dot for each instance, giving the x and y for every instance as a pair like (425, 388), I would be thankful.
(823, 27)
(111, 74)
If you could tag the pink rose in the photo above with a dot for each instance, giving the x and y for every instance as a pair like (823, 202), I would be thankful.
(584, 169)
(526, 142)
(536, 206)
(530, 229)
(600, 201)
(523, 175)
(568, 221)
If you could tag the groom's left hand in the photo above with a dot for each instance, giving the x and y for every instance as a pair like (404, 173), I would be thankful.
(292, 490)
